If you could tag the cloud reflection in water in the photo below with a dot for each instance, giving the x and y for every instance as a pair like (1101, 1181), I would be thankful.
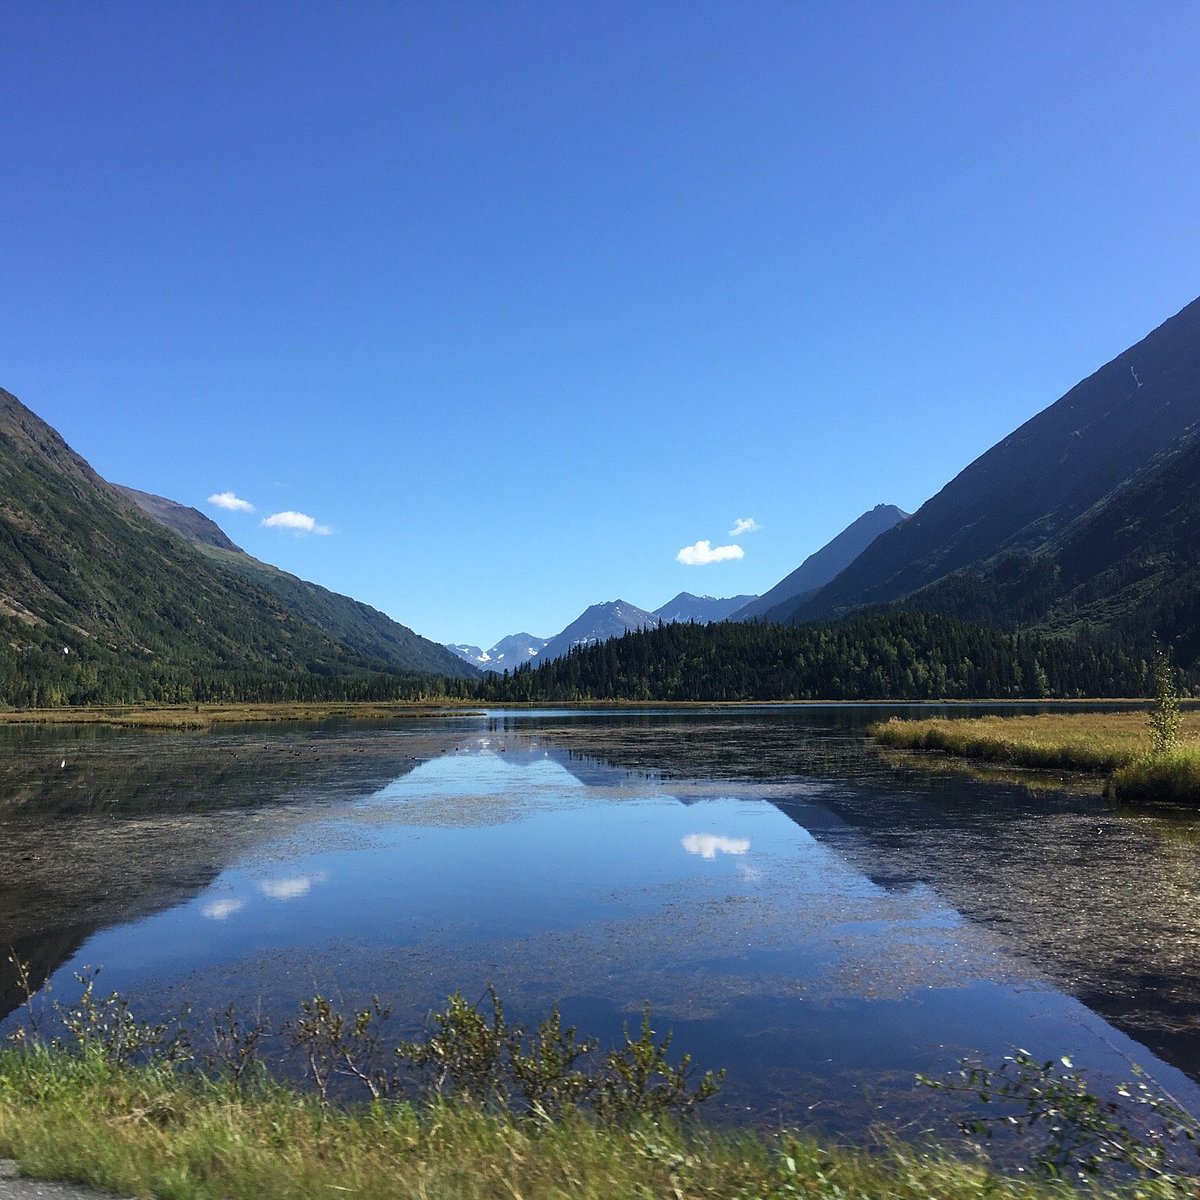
(709, 845)
(292, 887)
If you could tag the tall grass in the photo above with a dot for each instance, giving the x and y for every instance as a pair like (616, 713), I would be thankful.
(1169, 778)
(147, 1132)
(1115, 744)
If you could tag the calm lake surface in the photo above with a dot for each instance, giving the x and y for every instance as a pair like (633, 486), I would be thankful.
(819, 917)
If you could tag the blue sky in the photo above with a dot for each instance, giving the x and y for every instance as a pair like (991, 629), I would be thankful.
(517, 300)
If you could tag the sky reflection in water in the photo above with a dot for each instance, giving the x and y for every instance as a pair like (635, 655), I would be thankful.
(726, 903)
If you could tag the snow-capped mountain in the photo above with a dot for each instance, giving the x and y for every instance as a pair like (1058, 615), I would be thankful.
(506, 655)
(597, 624)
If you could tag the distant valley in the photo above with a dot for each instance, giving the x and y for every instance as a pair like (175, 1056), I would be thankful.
(1082, 524)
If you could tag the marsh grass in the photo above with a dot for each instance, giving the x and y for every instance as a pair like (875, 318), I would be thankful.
(1114, 744)
(1092, 741)
(1169, 778)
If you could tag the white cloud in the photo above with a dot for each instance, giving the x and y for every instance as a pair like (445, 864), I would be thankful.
(290, 889)
(298, 522)
(744, 525)
(230, 501)
(709, 845)
(218, 910)
(704, 552)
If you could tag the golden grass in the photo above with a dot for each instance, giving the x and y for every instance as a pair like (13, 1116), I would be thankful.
(1116, 744)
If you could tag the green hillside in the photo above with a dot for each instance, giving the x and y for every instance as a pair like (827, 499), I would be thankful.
(99, 603)
(358, 626)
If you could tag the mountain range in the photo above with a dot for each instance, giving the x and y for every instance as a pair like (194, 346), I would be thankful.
(1086, 518)
(596, 624)
(614, 617)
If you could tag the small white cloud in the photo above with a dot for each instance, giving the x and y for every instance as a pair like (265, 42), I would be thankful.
(709, 845)
(704, 552)
(298, 522)
(218, 910)
(230, 501)
(744, 525)
(290, 889)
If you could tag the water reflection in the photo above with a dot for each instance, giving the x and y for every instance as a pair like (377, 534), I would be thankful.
(709, 845)
(834, 922)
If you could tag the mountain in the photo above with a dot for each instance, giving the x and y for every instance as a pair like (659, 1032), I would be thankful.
(825, 564)
(1025, 493)
(1130, 565)
(506, 655)
(192, 523)
(597, 624)
(477, 656)
(101, 603)
(364, 629)
(703, 609)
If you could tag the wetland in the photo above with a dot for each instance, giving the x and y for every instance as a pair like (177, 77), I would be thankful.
(821, 917)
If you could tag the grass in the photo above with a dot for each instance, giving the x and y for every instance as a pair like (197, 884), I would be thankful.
(1171, 778)
(204, 716)
(1114, 744)
(148, 1131)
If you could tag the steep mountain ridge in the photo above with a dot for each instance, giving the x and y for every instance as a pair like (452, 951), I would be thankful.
(825, 564)
(1131, 564)
(190, 522)
(1027, 490)
(100, 602)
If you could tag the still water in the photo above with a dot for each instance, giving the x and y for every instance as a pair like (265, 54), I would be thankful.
(821, 918)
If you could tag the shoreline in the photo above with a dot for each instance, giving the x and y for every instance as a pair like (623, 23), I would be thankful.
(204, 716)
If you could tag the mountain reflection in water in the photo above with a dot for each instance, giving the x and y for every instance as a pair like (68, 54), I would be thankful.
(796, 908)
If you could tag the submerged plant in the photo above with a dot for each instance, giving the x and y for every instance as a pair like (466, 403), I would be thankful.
(1085, 1134)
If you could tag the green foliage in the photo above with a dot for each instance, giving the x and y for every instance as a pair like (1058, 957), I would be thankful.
(105, 1026)
(639, 1080)
(1165, 719)
(334, 1043)
(465, 1055)
(910, 656)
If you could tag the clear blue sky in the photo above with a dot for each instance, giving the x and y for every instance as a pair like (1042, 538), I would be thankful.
(519, 299)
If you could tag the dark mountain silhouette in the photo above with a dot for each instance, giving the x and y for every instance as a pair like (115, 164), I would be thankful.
(1033, 495)
(823, 565)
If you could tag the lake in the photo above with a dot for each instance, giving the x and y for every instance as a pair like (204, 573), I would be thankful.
(822, 918)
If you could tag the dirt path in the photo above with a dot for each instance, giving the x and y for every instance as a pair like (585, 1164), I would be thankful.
(14, 1188)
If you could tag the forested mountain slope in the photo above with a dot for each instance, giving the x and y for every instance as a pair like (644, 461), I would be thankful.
(1130, 565)
(98, 602)
(358, 626)
(1028, 490)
